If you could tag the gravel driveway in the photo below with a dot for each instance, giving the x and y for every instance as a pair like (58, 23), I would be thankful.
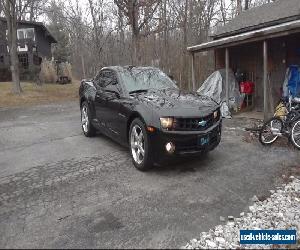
(59, 189)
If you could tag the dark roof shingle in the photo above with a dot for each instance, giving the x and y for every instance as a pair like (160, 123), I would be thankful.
(266, 15)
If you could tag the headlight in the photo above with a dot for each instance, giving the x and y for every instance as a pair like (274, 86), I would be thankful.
(166, 122)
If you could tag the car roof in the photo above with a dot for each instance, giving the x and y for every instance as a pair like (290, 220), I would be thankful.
(122, 69)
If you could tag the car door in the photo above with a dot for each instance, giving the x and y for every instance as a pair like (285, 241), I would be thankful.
(99, 82)
(109, 100)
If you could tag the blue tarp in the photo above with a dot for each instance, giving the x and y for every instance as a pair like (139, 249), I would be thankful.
(294, 80)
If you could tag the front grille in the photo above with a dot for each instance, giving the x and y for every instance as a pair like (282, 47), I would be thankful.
(192, 144)
(194, 124)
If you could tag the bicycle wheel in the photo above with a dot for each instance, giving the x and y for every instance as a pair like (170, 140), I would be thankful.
(270, 131)
(295, 134)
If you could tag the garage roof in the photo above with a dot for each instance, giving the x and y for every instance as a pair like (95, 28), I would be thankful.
(267, 15)
(250, 36)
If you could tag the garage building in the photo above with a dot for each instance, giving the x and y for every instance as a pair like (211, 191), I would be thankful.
(262, 42)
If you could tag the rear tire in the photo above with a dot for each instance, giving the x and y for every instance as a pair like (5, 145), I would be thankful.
(295, 134)
(266, 134)
(86, 125)
(140, 147)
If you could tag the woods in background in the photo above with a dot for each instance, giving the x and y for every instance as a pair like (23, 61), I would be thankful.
(96, 33)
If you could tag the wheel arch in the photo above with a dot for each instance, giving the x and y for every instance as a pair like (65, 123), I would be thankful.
(133, 116)
(89, 103)
(82, 99)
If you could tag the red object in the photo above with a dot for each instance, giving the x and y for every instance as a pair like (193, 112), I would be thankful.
(247, 87)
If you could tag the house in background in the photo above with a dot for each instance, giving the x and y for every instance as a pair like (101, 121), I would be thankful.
(262, 42)
(34, 44)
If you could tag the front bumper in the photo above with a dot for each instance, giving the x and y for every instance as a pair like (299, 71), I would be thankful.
(186, 142)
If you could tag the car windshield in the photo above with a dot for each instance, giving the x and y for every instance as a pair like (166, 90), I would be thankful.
(143, 79)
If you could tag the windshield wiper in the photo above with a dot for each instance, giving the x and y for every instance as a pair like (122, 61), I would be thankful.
(138, 91)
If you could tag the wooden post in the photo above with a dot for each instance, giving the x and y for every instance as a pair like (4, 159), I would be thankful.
(227, 76)
(193, 72)
(265, 79)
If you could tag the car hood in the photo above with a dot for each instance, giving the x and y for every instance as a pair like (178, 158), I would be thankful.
(175, 102)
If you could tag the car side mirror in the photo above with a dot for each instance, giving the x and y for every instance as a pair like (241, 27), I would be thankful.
(113, 92)
(117, 94)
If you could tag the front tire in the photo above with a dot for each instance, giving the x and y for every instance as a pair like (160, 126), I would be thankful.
(140, 148)
(295, 135)
(86, 125)
(270, 131)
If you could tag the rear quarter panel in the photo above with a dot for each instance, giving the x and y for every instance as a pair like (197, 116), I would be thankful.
(87, 92)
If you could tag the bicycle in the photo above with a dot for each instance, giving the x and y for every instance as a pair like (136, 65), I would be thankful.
(286, 122)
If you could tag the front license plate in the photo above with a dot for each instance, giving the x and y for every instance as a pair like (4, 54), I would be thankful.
(203, 140)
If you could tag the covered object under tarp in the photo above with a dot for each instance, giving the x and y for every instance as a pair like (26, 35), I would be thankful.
(215, 87)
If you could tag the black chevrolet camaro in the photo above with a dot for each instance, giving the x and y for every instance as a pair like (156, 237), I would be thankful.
(141, 107)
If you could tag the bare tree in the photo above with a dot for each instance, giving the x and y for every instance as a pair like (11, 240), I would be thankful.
(238, 7)
(154, 32)
(15, 10)
(96, 11)
(139, 14)
(247, 2)
(10, 10)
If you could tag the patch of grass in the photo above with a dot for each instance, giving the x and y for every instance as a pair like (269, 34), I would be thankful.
(33, 94)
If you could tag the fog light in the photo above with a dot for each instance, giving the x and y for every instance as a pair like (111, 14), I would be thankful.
(170, 147)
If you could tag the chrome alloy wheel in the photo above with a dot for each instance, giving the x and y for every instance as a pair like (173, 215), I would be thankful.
(85, 119)
(137, 142)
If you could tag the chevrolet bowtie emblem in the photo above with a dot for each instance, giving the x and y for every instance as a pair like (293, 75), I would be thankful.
(202, 123)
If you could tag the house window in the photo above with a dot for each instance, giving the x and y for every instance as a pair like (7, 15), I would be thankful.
(23, 60)
(1, 59)
(30, 34)
(21, 34)
(26, 34)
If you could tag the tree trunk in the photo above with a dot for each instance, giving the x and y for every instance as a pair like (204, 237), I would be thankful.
(121, 37)
(97, 32)
(185, 44)
(11, 19)
(83, 66)
(246, 4)
(223, 11)
(15, 72)
(31, 16)
(238, 7)
(136, 39)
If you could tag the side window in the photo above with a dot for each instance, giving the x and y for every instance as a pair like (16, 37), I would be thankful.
(113, 84)
(108, 81)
